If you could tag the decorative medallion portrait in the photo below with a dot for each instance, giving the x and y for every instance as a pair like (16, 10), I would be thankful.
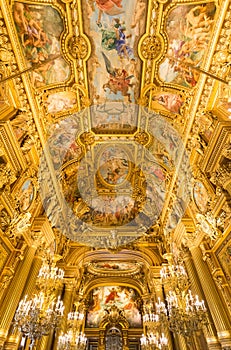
(26, 195)
(200, 196)
(103, 298)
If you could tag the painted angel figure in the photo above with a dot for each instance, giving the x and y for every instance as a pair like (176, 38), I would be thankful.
(119, 79)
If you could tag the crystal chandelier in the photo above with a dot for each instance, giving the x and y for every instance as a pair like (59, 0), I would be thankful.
(73, 338)
(153, 337)
(37, 316)
(50, 277)
(186, 313)
(153, 341)
(183, 312)
(71, 341)
(174, 276)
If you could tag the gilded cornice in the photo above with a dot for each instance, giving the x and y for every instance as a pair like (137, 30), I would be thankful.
(214, 153)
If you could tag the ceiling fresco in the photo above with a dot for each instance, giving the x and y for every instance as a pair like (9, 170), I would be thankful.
(114, 188)
(188, 28)
(115, 148)
(39, 29)
(114, 28)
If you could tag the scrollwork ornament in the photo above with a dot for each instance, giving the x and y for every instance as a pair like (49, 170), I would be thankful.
(151, 47)
(77, 46)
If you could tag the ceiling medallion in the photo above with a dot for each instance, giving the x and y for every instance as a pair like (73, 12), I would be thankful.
(151, 47)
(78, 47)
(117, 188)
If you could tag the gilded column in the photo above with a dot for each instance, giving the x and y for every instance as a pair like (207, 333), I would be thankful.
(101, 343)
(67, 302)
(125, 339)
(210, 331)
(12, 342)
(159, 294)
(52, 339)
(14, 293)
(216, 307)
(178, 339)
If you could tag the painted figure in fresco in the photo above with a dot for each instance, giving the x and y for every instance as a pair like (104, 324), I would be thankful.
(112, 296)
(114, 38)
(38, 35)
(119, 80)
(30, 30)
(96, 302)
(116, 170)
(171, 102)
(139, 17)
(109, 7)
(189, 30)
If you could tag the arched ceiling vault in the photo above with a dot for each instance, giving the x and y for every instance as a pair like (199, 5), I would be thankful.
(145, 256)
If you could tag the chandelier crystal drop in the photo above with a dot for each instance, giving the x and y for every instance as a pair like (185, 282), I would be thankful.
(153, 341)
(50, 277)
(74, 338)
(182, 311)
(187, 314)
(174, 275)
(71, 341)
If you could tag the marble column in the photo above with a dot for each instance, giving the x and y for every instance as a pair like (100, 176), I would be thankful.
(216, 307)
(14, 293)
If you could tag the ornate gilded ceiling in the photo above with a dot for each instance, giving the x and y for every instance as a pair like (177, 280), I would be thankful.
(109, 101)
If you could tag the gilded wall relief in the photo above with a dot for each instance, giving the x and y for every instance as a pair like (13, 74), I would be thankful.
(124, 298)
(189, 29)
(6, 99)
(114, 28)
(224, 257)
(39, 30)
(223, 101)
(4, 255)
